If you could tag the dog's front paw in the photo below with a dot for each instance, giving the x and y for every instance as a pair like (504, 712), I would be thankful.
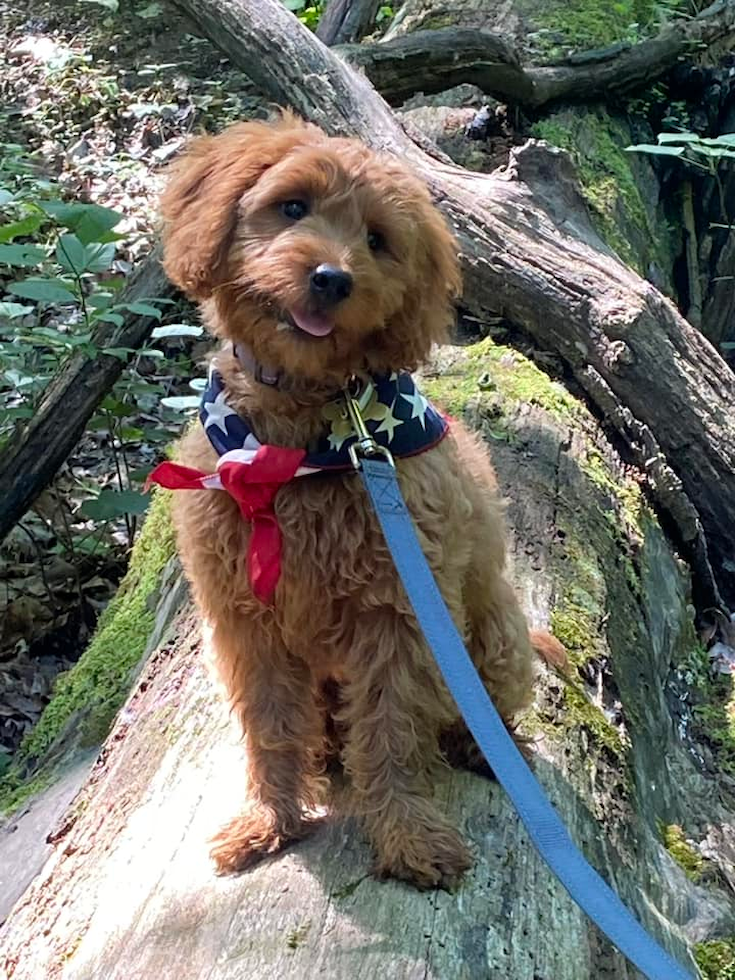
(252, 836)
(426, 859)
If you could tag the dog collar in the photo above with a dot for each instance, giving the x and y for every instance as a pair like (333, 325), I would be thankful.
(396, 414)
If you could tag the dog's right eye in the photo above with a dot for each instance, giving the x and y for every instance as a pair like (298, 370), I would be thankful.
(295, 210)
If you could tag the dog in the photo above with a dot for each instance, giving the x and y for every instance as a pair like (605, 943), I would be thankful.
(321, 264)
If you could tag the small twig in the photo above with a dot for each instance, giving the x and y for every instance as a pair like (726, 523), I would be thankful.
(73, 554)
(40, 555)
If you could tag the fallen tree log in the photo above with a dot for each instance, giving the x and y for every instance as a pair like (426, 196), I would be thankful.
(129, 894)
(346, 21)
(530, 254)
(29, 463)
(430, 61)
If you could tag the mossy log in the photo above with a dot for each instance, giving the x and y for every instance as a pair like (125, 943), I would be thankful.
(430, 61)
(129, 891)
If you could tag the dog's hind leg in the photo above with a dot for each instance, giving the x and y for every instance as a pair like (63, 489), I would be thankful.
(274, 697)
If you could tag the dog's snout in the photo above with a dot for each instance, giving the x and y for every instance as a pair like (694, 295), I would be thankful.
(330, 285)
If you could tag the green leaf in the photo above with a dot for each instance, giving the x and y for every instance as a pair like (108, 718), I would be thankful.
(6, 196)
(115, 503)
(21, 255)
(71, 254)
(668, 151)
(19, 412)
(88, 221)
(294, 5)
(122, 352)
(177, 330)
(142, 309)
(115, 318)
(728, 345)
(10, 311)
(115, 407)
(181, 402)
(100, 300)
(43, 290)
(150, 10)
(152, 352)
(100, 256)
(665, 138)
(26, 226)
(131, 433)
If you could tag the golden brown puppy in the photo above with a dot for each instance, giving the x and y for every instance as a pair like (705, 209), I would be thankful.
(323, 261)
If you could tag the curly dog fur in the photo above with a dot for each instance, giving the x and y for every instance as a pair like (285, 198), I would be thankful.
(339, 651)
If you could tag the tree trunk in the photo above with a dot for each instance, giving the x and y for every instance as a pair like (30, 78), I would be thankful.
(530, 254)
(347, 20)
(129, 893)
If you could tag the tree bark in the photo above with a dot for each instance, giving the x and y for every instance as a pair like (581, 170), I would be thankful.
(530, 254)
(346, 21)
(433, 60)
(29, 464)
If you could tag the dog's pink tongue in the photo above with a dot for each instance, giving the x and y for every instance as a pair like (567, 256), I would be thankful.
(317, 324)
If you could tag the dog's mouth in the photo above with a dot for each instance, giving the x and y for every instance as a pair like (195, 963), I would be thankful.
(305, 323)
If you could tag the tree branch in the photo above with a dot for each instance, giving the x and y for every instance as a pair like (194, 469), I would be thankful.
(431, 61)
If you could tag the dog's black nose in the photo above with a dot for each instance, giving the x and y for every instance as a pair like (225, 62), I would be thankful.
(330, 285)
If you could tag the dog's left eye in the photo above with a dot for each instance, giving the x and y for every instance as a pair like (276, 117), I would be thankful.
(376, 241)
(295, 210)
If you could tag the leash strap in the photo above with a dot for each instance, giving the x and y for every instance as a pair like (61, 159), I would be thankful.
(540, 819)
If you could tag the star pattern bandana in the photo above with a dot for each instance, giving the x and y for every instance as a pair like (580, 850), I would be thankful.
(396, 414)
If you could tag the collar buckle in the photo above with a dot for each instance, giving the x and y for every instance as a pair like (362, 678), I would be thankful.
(365, 445)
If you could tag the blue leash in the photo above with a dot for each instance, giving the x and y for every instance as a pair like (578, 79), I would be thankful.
(540, 819)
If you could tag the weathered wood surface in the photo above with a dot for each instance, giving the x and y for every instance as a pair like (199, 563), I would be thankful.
(430, 61)
(345, 21)
(129, 893)
(29, 463)
(529, 253)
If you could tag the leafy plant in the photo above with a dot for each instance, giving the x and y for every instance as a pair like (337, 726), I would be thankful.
(699, 152)
(56, 260)
(307, 11)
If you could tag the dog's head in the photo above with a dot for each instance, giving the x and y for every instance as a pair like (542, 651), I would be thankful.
(321, 256)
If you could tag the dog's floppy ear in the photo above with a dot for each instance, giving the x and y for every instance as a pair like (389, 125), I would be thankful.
(428, 310)
(199, 204)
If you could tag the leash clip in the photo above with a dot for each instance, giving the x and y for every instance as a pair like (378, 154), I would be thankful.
(365, 445)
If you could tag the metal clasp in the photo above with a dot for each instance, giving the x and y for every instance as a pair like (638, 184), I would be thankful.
(365, 445)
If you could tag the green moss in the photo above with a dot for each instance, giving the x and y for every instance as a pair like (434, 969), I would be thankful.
(297, 936)
(673, 839)
(98, 684)
(713, 714)
(589, 24)
(573, 626)
(716, 959)
(581, 713)
(437, 22)
(597, 144)
(492, 370)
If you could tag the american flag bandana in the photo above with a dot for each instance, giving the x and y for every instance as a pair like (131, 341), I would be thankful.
(396, 414)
